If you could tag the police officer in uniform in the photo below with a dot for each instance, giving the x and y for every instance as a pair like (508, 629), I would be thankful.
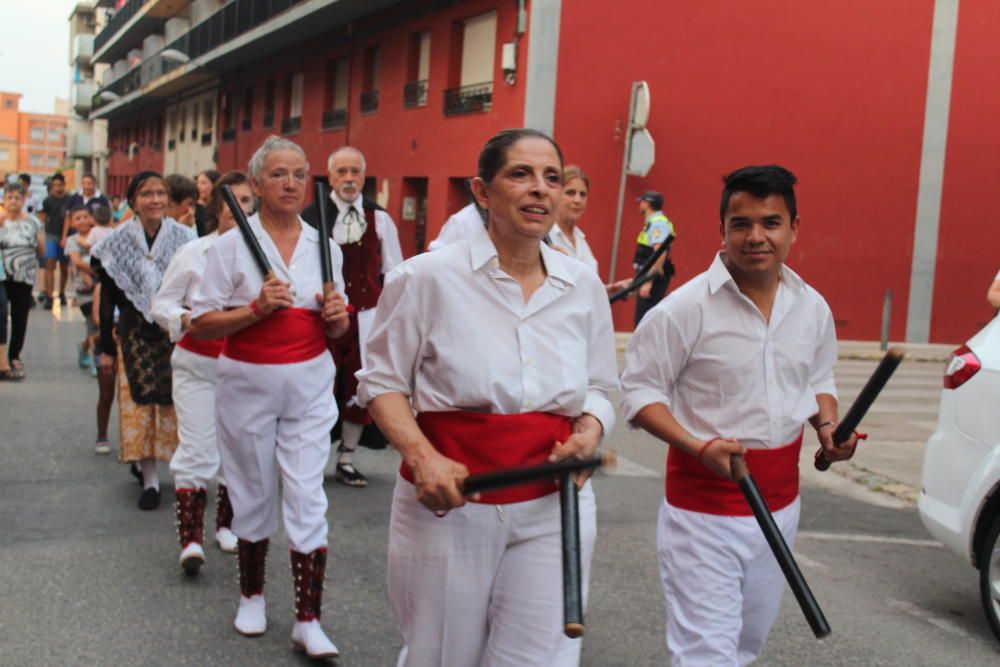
(656, 230)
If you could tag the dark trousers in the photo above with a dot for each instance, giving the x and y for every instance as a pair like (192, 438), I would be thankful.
(658, 291)
(3, 313)
(19, 296)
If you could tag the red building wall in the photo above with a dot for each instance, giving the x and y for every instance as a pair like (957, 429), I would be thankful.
(134, 145)
(968, 242)
(834, 91)
(398, 143)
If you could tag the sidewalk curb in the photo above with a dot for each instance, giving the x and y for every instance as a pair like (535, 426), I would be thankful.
(877, 483)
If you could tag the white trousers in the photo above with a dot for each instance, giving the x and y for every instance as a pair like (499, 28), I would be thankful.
(482, 586)
(275, 420)
(196, 460)
(723, 586)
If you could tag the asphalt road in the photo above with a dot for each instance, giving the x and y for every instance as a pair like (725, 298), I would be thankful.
(88, 579)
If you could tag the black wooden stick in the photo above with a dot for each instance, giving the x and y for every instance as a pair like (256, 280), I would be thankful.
(807, 602)
(876, 383)
(323, 226)
(633, 286)
(253, 245)
(490, 481)
(569, 505)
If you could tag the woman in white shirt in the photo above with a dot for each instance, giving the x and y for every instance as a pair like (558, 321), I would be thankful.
(196, 460)
(566, 236)
(504, 348)
(274, 393)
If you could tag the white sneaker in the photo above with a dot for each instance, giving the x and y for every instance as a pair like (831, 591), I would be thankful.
(251, 620)
(102, 447)
(226, 539)
(192, 558)
(308, 636)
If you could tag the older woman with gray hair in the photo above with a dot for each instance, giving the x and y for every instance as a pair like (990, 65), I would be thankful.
(274, 394)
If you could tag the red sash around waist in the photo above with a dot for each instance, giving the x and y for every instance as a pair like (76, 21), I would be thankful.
(206, 348)
(693, 486)
(283, 337)
(488, 442)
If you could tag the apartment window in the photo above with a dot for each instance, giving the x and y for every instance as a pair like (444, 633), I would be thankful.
(194, 121)
(37, 134)
(419, 65)
(475, 78)
(207, 121)
(228, 116)
(370, 79)
(52, 161)
(247, 108)
(182, 133)
(338, 74)
(10, 103)
(269, 103)
(4, 154)
(36, 160)
(172, 130)
(292, 121)
(55, 136)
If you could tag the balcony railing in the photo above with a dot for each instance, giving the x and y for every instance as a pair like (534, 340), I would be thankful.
(369, 101)
(82, 50)
(291, 125)
(82, 96)
(335, 119)
(117, 22)
(415, 94)
(468, 99)
(233, 20)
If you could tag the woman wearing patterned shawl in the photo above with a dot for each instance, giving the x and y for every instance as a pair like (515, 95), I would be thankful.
(132, 260)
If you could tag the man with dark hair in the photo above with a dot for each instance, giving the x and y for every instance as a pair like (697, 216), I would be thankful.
(183, 195)
(54, 216)
(656, 230)
(32, 202)
(735, 362)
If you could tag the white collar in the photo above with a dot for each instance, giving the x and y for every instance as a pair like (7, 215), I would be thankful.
(482, 252)
(718, 276)
(342, 205)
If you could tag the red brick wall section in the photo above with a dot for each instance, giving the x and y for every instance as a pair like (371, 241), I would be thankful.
(835, 91)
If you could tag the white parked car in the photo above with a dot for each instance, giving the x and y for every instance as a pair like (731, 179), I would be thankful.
(960, 500)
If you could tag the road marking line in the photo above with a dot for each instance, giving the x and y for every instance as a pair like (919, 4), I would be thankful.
(872, 539)
(806, 561)
(922, 614)
(628, 468)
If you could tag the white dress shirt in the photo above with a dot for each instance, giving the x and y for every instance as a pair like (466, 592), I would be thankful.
(232, 279)
(578, 249)
(385, 230)
(452, 332)
(461, 225)
(180, 282)
(708, 354)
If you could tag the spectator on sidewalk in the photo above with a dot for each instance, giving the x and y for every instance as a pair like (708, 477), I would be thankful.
(32, 202)
(53, 215)
(4, 362)
(21, 241)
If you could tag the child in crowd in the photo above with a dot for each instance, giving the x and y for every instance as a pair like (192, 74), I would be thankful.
(84, 278)
(101, 229)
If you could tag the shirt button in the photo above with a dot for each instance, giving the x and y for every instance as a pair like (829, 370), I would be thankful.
(494, 263)
(528, 361)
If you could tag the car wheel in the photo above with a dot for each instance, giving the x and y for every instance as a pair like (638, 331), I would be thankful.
(989, 577)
